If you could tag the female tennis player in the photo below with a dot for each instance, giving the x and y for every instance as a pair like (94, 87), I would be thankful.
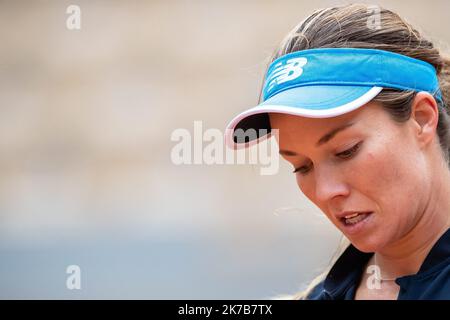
(361, 114)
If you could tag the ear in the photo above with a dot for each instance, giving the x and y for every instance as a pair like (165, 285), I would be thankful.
(425, 115)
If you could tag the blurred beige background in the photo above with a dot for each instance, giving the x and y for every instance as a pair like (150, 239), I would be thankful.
(86, 176)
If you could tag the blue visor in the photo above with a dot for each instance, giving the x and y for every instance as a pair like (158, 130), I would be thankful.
(327, 82)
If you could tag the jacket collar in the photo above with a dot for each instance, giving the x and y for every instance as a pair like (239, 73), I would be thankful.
(350, 265)
(438, 253)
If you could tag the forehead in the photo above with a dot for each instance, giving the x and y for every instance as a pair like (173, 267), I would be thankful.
(286, 123)
(312, 130)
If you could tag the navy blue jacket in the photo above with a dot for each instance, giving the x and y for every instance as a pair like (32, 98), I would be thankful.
(432, 282)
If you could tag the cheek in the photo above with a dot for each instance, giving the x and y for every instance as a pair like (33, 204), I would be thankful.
(382, 179)
(389, 178)
(307, 187)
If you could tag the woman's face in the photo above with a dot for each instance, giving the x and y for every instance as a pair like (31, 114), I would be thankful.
(368, 177)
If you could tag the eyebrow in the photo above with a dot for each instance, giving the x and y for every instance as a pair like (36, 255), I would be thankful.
(325, 138)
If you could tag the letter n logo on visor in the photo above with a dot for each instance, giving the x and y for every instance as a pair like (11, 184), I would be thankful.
(287, 72)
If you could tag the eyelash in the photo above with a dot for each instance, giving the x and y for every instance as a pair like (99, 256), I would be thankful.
(349, 153)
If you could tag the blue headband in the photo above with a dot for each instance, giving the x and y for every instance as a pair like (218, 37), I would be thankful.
(328, 82)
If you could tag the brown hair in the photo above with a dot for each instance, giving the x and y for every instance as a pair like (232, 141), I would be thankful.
(349, 27)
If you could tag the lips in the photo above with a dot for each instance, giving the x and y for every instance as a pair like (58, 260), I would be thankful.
(353, 221)
(355, 218)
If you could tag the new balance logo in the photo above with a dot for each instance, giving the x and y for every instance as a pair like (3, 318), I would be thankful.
(291, 70)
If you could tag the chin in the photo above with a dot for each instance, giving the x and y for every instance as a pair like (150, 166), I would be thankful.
(364, 247)
(367, 235)
(366, 243)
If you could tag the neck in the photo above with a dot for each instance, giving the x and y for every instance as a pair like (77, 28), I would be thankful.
(406, 255)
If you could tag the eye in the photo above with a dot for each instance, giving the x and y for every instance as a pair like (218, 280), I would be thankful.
(349, 152)
(303, 169)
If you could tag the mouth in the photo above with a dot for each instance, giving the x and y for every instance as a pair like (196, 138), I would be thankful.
(354, 222)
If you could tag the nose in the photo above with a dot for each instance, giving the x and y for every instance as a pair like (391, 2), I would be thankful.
(330, 185)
